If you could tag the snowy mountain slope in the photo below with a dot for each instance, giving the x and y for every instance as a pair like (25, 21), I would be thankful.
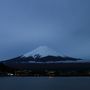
(42, 51)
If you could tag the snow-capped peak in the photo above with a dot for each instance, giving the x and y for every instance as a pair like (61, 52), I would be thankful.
(42, 51)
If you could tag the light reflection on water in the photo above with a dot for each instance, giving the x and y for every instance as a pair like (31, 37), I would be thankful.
(44, 83)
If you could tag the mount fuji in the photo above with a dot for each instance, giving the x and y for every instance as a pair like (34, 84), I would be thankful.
(41, 54)
(42, 51)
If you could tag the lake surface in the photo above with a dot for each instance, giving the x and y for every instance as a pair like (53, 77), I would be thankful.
(44, 83)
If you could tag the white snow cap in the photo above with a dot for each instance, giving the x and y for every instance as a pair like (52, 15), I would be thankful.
(43, 51)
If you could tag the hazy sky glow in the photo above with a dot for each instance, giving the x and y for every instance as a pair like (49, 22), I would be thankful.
(63, 25)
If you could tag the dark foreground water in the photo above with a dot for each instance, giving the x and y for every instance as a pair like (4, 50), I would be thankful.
(44, 83)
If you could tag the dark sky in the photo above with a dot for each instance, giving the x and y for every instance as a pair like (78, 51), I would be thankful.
(63, 25)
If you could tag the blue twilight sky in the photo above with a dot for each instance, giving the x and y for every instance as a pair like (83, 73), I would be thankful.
(63, 25)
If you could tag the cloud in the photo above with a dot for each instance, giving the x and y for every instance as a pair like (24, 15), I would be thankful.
(60, 24)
